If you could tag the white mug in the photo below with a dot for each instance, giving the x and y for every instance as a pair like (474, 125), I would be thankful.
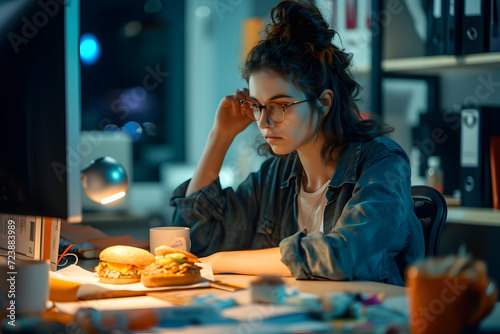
(171, 236)
(24, 286)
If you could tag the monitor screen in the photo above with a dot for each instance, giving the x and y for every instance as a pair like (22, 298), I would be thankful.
(40, 109)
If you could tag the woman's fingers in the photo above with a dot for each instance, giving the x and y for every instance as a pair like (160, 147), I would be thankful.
(241, 94)
(238, 95)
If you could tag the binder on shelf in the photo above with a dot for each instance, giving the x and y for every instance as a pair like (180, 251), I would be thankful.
(474, 33)
(436, 27)
(453, 10)
(351, 14)
(494, 42)
(477, 126)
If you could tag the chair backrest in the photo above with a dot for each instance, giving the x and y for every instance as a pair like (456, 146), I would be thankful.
(431, 208)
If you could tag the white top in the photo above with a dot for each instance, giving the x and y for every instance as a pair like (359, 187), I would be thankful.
(310, 209)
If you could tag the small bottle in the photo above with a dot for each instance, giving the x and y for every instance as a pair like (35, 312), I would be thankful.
(416, 177)
(434, 173)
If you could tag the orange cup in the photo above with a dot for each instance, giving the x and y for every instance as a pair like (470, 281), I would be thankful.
(445, 304)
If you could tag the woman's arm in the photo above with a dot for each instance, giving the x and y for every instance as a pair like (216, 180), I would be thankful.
(249, 262)
(229, 121)
(210, 163)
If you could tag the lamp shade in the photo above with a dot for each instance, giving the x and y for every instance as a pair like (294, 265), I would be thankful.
(104, 180)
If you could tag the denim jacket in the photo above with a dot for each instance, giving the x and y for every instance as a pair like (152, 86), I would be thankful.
(370, 229)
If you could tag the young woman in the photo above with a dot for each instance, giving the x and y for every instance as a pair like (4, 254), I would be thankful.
(334, 201)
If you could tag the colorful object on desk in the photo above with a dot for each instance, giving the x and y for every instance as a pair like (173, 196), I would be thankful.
(453, 291)
(33, 325)
(355, 325)
(347, 305)
(211, 299)
(268, 289)
(335, 305)
(371, 298)
(304, 300)
(63, 291)
(107, 321)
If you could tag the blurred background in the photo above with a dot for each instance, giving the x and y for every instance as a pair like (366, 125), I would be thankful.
(154, 71)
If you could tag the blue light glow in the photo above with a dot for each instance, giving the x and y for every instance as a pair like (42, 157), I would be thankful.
(115, 175)
(133, 129)
(90, 49)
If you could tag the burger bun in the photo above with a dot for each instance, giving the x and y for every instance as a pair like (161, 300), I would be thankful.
(120, 280)
(165, 250)
(127, 255)
(152, 280)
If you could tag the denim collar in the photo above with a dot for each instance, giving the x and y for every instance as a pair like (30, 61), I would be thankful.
(345, 170)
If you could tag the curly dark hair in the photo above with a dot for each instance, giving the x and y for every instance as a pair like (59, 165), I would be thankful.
(298, 47)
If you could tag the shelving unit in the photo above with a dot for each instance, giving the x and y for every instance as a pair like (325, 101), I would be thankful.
(442, 64)
(432, 69)
(435, 65)
(474, 216)
(426, 67)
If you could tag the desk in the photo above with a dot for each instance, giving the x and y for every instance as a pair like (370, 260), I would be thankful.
(315, 287)
(323, 287)
(180, 297)
(164, 299)
(306, 286)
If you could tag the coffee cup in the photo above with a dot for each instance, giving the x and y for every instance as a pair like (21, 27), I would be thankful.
(24, 286)
(443, 303)
(170, 236)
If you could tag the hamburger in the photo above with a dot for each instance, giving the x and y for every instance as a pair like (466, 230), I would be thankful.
(172, 267)
(122, 264)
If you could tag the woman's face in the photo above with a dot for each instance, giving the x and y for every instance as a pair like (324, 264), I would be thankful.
(299, 126)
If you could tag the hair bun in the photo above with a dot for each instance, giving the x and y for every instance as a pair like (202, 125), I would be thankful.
(302, 22)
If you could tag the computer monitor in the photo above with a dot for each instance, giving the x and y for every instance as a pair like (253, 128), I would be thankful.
(40, 109)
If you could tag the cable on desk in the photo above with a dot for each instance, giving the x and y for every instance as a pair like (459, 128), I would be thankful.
(64, 253)
(65, 263)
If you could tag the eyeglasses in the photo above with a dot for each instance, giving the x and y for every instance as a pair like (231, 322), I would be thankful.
(275, 110)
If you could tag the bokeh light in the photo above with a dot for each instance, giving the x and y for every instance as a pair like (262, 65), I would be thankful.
(133, 129)
(90, 49)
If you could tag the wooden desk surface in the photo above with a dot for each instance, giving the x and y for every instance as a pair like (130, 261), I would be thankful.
(322, 287)
(307, 286)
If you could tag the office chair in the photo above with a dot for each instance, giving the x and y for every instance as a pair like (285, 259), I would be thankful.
(431, 209)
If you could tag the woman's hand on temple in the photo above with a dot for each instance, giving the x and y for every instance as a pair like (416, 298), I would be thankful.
(230, 118)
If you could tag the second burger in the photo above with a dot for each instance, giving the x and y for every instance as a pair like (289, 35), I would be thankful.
(172, 267)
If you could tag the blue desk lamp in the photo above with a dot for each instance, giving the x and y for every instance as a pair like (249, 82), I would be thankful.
(104, 180)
